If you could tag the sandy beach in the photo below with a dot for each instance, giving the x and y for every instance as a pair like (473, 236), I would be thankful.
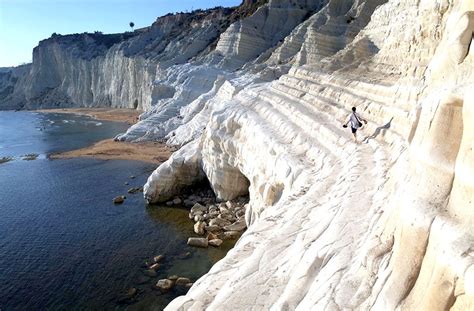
(109, 149)
(108, 114)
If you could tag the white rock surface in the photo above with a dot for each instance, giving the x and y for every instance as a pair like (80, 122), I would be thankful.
(333, 225)
(382, 225)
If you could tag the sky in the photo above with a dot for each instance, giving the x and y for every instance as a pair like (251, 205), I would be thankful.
(23, 23)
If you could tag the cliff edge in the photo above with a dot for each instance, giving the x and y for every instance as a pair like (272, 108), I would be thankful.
(255, 97)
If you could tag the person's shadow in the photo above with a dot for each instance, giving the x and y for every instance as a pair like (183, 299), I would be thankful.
(378, 131)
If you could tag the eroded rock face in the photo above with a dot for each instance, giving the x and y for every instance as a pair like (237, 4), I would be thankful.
(116, 70)
(181, 170)
(381, 225)
(332, 225)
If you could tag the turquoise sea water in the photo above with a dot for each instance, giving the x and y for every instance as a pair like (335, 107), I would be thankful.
(63, 243)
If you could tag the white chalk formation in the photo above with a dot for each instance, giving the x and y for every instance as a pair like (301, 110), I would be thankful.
(334, 225)
(386, 224)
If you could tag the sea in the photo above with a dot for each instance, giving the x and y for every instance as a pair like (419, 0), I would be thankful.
(64, 245)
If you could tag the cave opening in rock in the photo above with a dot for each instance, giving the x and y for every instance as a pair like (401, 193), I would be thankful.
(229, 183)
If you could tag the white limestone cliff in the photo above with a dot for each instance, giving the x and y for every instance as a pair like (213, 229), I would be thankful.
(114, 70)
(256, 104)
(334, 225)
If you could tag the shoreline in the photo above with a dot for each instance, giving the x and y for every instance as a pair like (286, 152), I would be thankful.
(108, 149)
(127, 115)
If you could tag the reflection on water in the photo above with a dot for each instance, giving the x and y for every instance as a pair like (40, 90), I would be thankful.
(24, 133)
(64, 244)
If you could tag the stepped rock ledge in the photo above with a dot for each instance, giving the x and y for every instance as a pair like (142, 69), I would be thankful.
(255, 97)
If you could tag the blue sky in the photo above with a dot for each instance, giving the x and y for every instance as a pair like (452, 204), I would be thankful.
(23, 23)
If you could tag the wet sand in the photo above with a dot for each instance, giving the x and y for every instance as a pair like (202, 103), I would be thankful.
(107, 114)
(109, 149)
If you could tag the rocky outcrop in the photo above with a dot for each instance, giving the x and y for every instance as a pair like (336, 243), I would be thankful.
(383, 225)
(333, 225)
(117, 70)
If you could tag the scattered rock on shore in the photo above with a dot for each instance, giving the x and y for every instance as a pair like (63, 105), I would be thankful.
(215, 242)
(164, 285)
(119, 199)
(132, 292)
(199, 227)
(231, 234)
(135, 190)
(239, 225)
(155, 266)
(158, 258)
(182, 281)
(184, 255)
(198, 242)
(220, 221)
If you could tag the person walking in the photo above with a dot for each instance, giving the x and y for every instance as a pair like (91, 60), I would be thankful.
(356, 122)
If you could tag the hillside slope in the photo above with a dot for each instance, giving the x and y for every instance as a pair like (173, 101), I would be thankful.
(256, 95)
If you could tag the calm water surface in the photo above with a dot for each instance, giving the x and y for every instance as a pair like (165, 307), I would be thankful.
(63, 244)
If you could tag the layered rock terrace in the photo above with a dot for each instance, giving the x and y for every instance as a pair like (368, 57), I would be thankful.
(256, 106)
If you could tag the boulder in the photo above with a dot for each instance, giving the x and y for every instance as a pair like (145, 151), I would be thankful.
(239, 225)
(119, 199)
(164, 285)
(212, 228)
(188, 203)
(184, 255)
(219, 222)
(198, 242)
(195, 198)
(208, 201)
(182, 281)
(198, 207)
(158, 258)
(231, 234)
(222, 205)
(155, 266)
(198, 218)
(215, 242)
(173, 277)
(211, 236)
(132, 292)
(133, 190)
(199, 227)
(177, 201)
